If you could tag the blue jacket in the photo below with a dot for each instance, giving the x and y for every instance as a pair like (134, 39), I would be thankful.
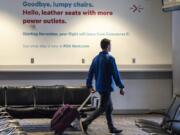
(106, 73)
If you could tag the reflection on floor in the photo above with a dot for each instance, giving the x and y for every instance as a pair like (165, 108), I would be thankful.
(98, 127)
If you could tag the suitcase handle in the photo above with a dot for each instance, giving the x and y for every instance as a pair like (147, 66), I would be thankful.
(84, 103)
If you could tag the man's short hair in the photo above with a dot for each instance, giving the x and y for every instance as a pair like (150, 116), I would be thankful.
(105, 43)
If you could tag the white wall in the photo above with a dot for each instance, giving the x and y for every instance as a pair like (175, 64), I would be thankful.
(149, 31)
(176, 52)
(151, 45)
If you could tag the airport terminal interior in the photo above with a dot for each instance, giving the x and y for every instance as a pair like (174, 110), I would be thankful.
(73, 67)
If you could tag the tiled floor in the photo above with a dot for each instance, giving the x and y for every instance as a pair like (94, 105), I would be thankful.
(98, 127)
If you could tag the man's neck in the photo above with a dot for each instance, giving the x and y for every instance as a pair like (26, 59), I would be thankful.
(105, 51)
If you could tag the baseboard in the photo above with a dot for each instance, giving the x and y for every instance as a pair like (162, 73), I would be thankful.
(139, 111)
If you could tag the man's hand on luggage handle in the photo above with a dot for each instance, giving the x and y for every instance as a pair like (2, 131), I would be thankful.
(122, 92)
(92, 90)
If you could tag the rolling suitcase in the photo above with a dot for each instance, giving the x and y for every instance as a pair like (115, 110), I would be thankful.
(64, 116)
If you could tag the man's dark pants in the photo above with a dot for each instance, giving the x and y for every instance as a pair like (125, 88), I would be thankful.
(105, 106)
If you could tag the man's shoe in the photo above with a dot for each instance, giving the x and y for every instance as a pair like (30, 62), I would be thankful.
(83, 127)
(115, 131)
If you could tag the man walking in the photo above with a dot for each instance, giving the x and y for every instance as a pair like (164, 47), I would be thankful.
(105, 71)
